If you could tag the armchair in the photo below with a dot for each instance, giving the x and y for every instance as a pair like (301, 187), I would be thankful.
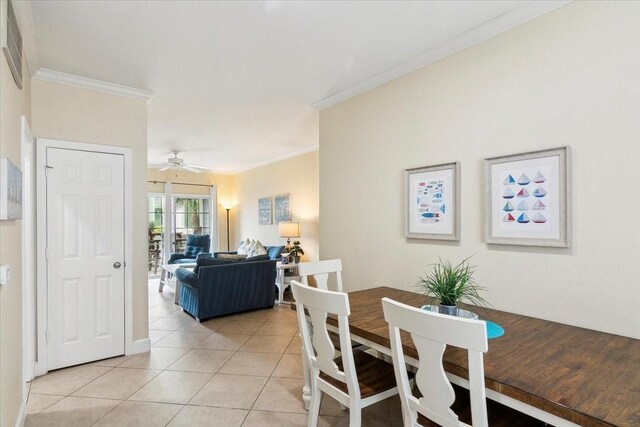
(197, 247)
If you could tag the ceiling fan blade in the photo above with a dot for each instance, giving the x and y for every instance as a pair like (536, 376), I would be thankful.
(204, 168)
(164, 168)
(190, 169)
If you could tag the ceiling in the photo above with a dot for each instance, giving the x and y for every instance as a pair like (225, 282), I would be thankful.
(235, 83)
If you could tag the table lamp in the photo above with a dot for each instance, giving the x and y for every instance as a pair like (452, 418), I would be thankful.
(289, 230)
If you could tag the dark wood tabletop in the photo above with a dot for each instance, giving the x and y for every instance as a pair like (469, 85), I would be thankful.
(587, 377)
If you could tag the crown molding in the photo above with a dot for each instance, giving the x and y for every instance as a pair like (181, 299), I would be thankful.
(91, 84)
(291, 155)
(296, 153)
(482, 32)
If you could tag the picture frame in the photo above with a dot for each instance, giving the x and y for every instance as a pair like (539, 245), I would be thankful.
(265, 211)
(432, 202)
(10, 191)
(526, 199)
(281, 208)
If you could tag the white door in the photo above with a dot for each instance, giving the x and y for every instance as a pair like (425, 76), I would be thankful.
(85, 256)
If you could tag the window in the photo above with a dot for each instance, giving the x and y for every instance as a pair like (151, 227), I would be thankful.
(192, 216)
(156, 228)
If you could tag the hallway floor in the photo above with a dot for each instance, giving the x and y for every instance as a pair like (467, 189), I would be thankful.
(242, 370)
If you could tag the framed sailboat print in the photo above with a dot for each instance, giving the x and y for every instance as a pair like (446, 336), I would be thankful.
(526, 199)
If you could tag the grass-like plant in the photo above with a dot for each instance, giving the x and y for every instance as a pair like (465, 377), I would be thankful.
(449, 284)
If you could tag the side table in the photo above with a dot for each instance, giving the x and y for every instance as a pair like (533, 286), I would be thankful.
(280, 270)
(167, 278)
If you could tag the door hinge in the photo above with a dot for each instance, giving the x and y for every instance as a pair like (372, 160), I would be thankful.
(46, 170)
(46, 336)
(46, 253)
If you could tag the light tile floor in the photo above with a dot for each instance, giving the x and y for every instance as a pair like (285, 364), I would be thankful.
(242, 370)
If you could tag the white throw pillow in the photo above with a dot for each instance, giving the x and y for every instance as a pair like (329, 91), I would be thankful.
(258, 250)
(242, 250)
(250, 248)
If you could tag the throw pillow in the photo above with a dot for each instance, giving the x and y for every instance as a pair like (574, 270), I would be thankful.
(244, 247)
(232, 257)
(250, 247)
(258, 250)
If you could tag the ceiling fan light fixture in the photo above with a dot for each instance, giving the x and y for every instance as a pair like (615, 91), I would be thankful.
(176, 163)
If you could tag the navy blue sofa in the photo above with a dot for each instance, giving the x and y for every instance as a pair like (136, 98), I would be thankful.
(227, 287)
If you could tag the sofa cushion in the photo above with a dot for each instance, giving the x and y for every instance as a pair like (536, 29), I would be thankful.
(263, 257)
(207, 262)
(196, 244)
(183, 261)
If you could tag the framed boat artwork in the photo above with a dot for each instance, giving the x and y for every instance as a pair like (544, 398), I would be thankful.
(432, 201)
(526, 199)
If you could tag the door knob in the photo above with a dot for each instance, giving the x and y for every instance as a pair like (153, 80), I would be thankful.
(116, 265)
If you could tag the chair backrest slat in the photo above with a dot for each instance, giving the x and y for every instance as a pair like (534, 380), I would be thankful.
(320, 270)
(431, 333)
(319, 349)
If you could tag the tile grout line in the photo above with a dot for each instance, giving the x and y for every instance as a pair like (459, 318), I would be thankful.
(270, 377)
(216, 373)
(260, 322)
(125, 399)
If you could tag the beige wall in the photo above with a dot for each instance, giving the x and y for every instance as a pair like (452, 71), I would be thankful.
(571, 77)
(297, 176)
(73, 114)
(13, 104)
(225, 184)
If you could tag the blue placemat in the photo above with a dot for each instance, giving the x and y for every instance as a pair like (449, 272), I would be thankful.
(494, 330)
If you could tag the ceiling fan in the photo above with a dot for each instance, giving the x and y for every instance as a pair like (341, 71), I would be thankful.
(177, 163)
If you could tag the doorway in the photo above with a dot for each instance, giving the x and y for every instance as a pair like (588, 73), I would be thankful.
(85, 288)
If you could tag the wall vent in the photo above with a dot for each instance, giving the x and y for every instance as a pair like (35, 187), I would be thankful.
(12, 42)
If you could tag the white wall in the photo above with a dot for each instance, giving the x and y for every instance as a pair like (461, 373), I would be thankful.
(571, 77)
(297, 176)
(13, 104)
(81, 115)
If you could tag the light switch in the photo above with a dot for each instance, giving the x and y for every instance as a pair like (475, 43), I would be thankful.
(5, 275)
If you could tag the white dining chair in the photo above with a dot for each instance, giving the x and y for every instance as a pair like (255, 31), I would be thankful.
(355, 379)
(431, 333)
(320, 270)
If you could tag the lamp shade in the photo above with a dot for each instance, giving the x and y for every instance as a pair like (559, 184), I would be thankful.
(289, 229)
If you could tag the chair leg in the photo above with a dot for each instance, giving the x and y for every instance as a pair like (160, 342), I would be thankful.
(355, 414)
(314, 407)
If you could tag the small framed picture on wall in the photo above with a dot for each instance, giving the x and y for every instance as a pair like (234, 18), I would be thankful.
(281, 208)
(432, 202)
(526, 198)
(264, 211)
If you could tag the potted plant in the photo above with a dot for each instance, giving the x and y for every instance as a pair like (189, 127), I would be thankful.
(450, 284)
(296, 251)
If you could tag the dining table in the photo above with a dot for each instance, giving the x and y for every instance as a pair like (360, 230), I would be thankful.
(560, 374)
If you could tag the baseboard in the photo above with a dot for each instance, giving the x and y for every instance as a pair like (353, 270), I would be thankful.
(22, 415)
(141, 346)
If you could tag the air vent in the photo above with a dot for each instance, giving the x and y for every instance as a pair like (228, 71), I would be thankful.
(12, 43)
